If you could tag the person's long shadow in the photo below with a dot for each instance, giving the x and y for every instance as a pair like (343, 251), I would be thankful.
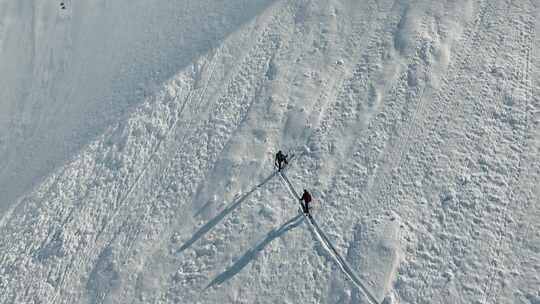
(213, 222)
(253, 252)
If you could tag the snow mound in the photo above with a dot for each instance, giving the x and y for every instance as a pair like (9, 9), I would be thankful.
(376, 252)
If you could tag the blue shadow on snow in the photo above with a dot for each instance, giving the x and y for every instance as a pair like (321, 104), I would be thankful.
(213, 222)
(253, 252)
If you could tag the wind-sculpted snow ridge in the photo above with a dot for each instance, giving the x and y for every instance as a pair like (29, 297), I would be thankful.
(323, 239)
(69, 74)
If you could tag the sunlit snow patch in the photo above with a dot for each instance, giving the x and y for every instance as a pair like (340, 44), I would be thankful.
(375, 253)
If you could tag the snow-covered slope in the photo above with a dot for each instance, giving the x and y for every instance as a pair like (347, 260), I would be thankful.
(415, 124)
(68, 74)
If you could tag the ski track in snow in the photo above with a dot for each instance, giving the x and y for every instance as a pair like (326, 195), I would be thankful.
(323, 239)
(416, 117)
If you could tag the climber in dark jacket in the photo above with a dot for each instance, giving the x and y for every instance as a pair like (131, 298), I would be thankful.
(280, 159)
(306, 199)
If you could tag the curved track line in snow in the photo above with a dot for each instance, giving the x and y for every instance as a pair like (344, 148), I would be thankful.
(447, 95)
(396, 153)
(527, 87)
(499, 228)
(325, 242)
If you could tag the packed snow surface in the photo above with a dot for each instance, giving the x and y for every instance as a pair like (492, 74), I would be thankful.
(137, 142)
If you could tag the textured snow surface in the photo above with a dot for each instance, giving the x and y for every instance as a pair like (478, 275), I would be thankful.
(137, 141)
